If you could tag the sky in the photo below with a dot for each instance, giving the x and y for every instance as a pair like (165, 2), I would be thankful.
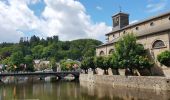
(70, 19)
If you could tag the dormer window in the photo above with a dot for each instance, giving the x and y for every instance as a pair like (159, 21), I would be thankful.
(137, 28)
(151, 24)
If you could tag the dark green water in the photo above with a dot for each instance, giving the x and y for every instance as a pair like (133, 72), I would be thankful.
(75, 91)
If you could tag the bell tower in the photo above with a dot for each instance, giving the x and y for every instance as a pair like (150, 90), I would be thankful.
(120, 20)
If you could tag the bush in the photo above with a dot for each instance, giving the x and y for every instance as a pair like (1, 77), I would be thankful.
(164, 58)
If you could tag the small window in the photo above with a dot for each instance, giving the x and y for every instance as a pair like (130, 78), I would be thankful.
(124, 32)
(151, 24)
(137, 28)
(158, 44)
(113, 35)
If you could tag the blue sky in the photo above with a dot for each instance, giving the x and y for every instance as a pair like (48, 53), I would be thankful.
(70, 19)
(138, 9)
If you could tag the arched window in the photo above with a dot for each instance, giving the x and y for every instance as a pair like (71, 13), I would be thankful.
(111, 51)
(101, 53)
(158, 44)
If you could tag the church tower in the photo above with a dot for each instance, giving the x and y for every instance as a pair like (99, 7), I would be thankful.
(120, 20)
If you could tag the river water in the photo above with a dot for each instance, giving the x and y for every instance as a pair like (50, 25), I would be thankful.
(75, 91)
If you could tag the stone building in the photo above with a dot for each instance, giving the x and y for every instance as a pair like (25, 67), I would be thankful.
(153, 33)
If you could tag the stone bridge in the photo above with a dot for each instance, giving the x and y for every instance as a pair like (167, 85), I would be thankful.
(60, 75)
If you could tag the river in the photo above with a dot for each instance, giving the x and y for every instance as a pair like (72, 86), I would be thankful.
(75, 91)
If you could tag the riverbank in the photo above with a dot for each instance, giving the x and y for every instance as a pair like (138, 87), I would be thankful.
(143, 82)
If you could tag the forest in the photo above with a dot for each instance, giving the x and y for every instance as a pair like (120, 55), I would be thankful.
(27, 50)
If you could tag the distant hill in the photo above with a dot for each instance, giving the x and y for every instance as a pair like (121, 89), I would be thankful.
(51, 47)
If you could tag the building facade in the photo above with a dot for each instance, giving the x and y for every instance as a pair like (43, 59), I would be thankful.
(153, 33)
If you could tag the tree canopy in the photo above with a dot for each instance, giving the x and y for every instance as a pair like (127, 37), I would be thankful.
(130, 55)
(51, 49)
(164, 58)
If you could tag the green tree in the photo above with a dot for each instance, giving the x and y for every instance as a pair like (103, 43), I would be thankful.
(53, 64)
(28, 60)
(128, 53)
(107, 63)
(164, 58)
(84, 66)
(17, 59)
(37, 51)
(90, 63)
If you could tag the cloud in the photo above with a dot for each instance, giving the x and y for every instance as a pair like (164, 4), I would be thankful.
(99, 8)
(134, 21)
(155, 7)
(66, 18)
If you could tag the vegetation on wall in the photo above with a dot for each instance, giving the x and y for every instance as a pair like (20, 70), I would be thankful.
(164, 58)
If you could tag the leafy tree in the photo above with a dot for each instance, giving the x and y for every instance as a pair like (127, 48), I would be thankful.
(34, 40)
(37, 51)
(53, 64)
(107, 63)
(128, 54)
(84, 65)
(164, 58)
(17, 59)
(90, 63)
(28, 60)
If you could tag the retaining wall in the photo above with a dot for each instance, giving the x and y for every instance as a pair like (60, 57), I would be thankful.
(145, 82)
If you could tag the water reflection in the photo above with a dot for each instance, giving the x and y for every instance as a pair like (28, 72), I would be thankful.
(122, 93)
(75, 91)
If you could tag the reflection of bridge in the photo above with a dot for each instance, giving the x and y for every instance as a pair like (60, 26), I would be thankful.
(60, 75)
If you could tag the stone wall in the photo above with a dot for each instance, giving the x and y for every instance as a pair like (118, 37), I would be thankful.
(144, 82)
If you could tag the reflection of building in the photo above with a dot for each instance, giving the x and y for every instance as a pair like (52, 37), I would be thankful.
(152, 33)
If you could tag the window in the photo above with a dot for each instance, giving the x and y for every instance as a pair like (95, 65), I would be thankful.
(151, 24)
(111, 51)
(124, 32)
(137, 28)
(113, 35)
(158, 44)
(101, 53)
(169, 17)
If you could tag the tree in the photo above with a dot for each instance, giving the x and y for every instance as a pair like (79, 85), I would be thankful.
(37, 51)
(89, 63)
(164, 58)
(34, 40)
(53, 64)
(107, 63)
(28, 60)
(84, 66)
(17, 59)
(129, 54)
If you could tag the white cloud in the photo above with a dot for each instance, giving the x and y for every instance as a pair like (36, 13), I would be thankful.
(66, 18)
(99, 8)
(133, 21)
(155, 7)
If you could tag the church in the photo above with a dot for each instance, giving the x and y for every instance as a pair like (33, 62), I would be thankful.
(153, 33)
